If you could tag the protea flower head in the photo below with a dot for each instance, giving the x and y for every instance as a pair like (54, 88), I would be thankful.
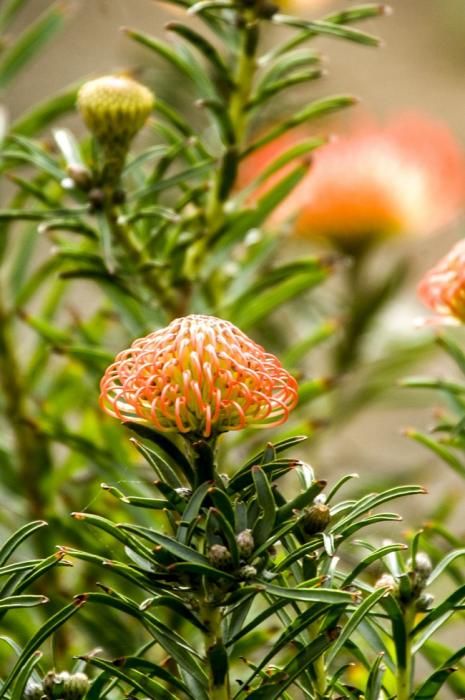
(200, 376)
(114, 108)
(407, 177)
(442, 289)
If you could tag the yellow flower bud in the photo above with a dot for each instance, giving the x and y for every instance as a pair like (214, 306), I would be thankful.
(114, 108)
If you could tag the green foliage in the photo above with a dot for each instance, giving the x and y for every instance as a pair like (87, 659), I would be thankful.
(231, 580)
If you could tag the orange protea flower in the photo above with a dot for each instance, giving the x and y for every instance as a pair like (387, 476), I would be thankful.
(377, 181)
(442, 289)
(200, 375)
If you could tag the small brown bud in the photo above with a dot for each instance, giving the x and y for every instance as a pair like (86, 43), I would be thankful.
(245, 544)
(387, 581)
(220, 557)
(96, 198)
(114, 108)
(425, 602)
(315, 518)
(81, 176)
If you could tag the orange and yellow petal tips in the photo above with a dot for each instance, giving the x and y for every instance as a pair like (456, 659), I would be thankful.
(114, 108)
(200, 376)
(442, 289)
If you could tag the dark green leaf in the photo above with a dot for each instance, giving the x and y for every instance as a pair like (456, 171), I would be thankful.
(15, 540)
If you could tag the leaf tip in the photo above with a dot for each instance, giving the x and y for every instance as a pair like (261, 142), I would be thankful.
(80, 599)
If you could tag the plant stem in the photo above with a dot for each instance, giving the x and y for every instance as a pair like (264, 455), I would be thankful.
(319, 667)
(405, 665)
(348, 350)
(215, 652)
(121, 234)
(244, 74)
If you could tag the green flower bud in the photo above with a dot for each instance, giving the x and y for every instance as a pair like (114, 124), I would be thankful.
(77, 686)
(219, 557)
(245, 544)
(315, 519)
(114, 108)
(65, 686)
(54, 684)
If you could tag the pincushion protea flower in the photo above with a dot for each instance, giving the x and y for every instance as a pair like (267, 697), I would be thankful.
(407, 177)
(202, 376)
(443, 288)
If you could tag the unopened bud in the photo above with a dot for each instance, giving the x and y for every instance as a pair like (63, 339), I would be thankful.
(220, 557)
(65, 686)
(315, 519)
(387, 581)
(247, 572)
(33, 691)
(54, 684)
(425, 602)
(184, 492)
(80, 176)
(115, 108)
(245, 544)
(77, 686)
(423, 566)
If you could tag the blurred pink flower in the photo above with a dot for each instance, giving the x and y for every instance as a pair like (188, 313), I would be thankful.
(407, 177)
(200, 375)
(442, 289)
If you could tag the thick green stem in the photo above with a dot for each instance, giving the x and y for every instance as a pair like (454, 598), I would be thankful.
(215, 653)
(405, 666)
(237, 113)
(245, 73)
(348, 350)
(319, 668)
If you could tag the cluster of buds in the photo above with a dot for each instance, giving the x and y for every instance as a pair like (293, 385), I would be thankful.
(58, 686)
(221, 558)
(411, 589)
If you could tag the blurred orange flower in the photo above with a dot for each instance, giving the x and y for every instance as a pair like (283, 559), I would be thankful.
(375, 181)
(442, 289)
(200, 375)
